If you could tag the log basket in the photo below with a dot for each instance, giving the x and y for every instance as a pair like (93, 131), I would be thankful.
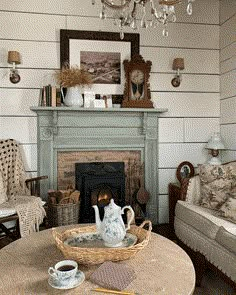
(64, 213)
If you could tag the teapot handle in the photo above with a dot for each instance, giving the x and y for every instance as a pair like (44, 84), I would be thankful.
(132, 215)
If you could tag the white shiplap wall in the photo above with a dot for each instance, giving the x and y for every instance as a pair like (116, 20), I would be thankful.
(32, 27)
(228, 76)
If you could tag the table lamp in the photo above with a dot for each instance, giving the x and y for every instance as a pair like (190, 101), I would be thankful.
(215, 144)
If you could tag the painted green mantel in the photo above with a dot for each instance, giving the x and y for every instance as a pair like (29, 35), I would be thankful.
(75, 129)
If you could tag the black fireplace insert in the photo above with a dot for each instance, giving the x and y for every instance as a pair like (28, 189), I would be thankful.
(98, 182)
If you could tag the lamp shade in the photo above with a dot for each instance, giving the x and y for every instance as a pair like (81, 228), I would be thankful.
(13, 56)
(178, 64)
(215, 142)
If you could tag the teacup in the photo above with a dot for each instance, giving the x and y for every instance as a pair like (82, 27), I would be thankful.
(63, 272)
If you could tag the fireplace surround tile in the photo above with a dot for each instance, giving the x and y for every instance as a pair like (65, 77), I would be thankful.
(66, 161)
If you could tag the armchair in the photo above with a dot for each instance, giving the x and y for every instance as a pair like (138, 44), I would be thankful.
(19, 197)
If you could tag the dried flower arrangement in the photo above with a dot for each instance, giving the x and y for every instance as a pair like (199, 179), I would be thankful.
(73, 76)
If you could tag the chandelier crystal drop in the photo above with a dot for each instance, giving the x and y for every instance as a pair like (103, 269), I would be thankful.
(124, 13)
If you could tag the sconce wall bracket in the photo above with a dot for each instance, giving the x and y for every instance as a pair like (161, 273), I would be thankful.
(176, 81)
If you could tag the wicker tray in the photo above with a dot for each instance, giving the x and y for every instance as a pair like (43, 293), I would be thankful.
(99, 255)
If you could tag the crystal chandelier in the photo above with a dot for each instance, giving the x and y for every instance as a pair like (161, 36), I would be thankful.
(125, 13)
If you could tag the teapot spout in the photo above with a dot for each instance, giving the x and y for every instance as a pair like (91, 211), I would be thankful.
(97, 218)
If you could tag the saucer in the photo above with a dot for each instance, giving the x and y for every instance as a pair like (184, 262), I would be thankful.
(128, 241)
(79, 278)
(94, 240)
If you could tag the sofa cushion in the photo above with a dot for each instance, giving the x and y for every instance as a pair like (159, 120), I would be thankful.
(203, 219)
(7, 212)
(216, 183)
(228, 209)
(227, 238)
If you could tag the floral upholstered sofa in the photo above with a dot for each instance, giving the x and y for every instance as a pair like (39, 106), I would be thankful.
(205, 219)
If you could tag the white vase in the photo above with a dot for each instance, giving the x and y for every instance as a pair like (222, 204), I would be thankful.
(73, 97)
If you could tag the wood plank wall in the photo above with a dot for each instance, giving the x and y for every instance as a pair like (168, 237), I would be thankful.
(228, 76)
(32, 28)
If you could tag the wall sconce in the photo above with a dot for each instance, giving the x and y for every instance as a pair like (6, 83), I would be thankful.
(178, 64)
(215, 144)
(14, 59)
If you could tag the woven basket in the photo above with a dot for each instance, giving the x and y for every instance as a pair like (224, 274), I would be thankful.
(63, 214)
(99, 255)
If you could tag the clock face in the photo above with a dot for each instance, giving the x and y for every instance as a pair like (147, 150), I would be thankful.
(137, 77)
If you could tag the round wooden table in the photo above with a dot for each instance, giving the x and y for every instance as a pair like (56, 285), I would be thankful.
(161, 268)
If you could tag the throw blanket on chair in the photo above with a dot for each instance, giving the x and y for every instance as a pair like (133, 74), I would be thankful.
(14, 192)
(30, 212)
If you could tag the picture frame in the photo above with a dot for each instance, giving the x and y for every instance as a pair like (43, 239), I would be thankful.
(99, 103)
(137, 92)
(89, 98)
(74, 44)
(107, 99)
(184, 170)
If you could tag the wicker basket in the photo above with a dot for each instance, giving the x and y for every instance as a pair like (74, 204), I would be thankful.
(99, 255)
(63, 214)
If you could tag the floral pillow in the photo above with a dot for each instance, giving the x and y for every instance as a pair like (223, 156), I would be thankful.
(216, 184)
(228, 209)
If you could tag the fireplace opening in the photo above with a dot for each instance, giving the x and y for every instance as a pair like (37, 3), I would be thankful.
(98, 183)
(101, 196)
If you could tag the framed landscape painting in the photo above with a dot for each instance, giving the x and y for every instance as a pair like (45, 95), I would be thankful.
(101, 54)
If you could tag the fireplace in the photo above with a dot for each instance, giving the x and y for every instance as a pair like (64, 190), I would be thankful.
(67, 129)
(98, 183)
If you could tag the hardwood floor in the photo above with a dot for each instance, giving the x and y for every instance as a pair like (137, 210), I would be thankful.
(164, 230)
(4, 242)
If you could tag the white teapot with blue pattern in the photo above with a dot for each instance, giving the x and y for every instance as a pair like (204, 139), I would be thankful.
(112, 228)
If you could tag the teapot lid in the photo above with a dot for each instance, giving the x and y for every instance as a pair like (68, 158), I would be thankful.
(113, 205)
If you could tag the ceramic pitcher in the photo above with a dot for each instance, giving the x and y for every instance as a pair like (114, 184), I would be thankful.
(73, 97)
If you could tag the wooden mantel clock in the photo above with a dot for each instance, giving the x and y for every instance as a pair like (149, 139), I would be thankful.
(137, 88)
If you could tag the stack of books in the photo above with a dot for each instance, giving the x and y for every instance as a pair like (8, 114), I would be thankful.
(50, 96)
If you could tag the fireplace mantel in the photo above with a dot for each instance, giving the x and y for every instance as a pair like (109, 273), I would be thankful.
(82, 129)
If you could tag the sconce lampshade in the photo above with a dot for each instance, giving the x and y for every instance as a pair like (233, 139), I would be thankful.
(178, 64)
(13, 57)
(215, 142)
